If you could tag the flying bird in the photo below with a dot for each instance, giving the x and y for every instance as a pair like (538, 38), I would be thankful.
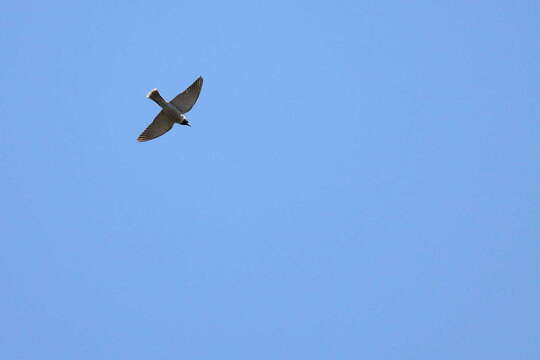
(172, 112)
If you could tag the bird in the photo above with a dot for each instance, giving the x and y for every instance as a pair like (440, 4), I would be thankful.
(172, 112)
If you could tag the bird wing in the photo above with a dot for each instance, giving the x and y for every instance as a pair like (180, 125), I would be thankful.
(186, 99)
(161, 124)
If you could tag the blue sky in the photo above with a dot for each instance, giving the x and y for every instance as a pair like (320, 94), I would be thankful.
(360, 181)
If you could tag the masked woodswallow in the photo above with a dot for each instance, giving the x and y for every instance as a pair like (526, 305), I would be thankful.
(172, 112)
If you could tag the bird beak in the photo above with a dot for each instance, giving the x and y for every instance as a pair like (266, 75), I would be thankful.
(188, 124)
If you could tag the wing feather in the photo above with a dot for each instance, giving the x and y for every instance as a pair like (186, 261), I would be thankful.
(186, 99)
(158, 127)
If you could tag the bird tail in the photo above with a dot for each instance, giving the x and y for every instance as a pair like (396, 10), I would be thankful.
(155, 95)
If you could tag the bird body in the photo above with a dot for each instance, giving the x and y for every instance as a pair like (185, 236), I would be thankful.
(172, 112)
(169, 109)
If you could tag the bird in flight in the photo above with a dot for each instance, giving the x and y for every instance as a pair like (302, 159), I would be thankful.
(172, 112)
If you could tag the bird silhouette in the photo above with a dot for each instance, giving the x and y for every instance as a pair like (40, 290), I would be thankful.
(172, 112)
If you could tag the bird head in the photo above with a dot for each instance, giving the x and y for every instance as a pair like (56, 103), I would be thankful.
(184, 120)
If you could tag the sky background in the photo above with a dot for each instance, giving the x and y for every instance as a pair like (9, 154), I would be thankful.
(361, 180)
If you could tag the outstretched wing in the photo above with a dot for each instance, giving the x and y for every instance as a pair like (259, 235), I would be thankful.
(158, 127)
(186, 99)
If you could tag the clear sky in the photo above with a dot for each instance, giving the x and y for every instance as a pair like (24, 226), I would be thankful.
(361, 180)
